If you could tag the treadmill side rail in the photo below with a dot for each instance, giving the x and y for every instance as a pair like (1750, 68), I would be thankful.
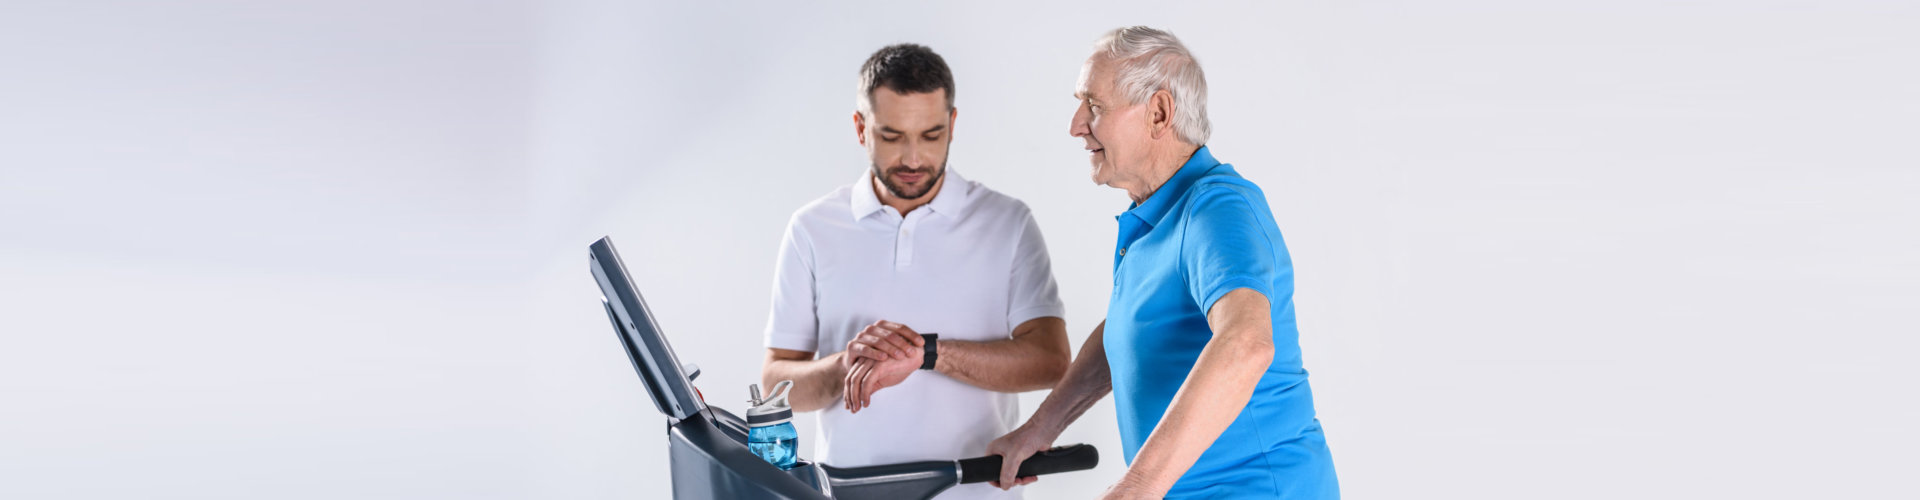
(913, 480)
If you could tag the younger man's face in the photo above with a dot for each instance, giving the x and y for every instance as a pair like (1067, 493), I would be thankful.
(907, 137)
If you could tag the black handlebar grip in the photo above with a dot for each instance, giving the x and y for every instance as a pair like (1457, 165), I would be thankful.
(1062, 459)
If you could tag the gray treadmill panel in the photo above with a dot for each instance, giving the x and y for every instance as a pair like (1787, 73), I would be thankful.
(652, 357)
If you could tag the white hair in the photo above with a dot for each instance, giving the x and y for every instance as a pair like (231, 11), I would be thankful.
(1149, 60)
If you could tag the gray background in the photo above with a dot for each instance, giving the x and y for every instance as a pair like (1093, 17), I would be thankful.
(337, 249)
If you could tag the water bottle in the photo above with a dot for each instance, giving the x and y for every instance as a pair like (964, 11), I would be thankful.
(770, 433)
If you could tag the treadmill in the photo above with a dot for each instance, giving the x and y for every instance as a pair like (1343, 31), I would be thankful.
(708, 445)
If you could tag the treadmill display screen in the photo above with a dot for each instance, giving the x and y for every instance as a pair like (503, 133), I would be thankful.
(652, 357)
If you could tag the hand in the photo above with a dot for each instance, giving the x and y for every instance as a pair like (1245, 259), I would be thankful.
(882, 341)
(1014, 448)
(869, 376)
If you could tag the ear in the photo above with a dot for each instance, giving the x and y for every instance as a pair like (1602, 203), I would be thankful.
(953, 115)
(860, 127)
(1160, 114)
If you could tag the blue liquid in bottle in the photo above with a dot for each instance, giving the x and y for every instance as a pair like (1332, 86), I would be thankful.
(778, 444)
(770, 432)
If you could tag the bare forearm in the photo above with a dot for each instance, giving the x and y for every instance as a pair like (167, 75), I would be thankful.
(1221, 383)
(816, 382)
(1001, 365)
(1087, 380)
(1033, 359)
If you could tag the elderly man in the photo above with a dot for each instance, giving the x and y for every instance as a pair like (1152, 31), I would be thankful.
(1199, 346)
(911, 242)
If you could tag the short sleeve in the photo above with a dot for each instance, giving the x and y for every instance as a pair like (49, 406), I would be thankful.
(1225, 246)
(792, 324)
(1033, 293)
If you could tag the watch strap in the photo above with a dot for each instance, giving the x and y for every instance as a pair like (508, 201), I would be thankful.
(932, 355)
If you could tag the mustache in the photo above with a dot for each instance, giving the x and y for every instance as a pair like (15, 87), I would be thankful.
(896, 170)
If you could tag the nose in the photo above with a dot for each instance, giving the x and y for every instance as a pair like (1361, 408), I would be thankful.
(916, 155)
(1082, 121)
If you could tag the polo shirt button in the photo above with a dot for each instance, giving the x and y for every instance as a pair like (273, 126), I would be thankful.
(1123, 252)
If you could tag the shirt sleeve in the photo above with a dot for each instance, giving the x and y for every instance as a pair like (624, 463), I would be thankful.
(793, 324)
(1225, 247)
(1033, 293)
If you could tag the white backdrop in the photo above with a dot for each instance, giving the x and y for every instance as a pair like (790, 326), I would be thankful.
(337, 249)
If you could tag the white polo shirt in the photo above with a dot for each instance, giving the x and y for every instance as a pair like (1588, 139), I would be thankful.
(968, 265)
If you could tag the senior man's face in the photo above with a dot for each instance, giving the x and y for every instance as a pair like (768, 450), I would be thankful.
(907, 140)
(1116, 133)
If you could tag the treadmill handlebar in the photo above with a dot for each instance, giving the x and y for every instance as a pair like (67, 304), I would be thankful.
(1063, 459)
(925, 479)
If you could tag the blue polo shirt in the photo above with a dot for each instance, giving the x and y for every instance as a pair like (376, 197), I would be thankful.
(1204, 233)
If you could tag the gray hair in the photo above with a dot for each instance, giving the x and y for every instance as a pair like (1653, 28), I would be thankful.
(1150, 60)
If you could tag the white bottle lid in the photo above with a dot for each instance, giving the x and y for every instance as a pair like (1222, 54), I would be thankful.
(773, 410)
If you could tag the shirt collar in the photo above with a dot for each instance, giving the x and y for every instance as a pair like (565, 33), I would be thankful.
(954, 191)
(1163, 199)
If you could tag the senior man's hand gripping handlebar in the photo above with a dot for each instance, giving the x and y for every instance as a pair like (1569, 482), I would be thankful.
(708, 446)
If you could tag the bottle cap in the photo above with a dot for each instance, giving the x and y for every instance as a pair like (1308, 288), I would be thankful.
(772, 410)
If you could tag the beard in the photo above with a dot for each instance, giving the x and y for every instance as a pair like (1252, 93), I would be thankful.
(909, 191)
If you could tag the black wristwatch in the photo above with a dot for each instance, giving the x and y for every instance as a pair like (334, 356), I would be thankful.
(933, 352)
